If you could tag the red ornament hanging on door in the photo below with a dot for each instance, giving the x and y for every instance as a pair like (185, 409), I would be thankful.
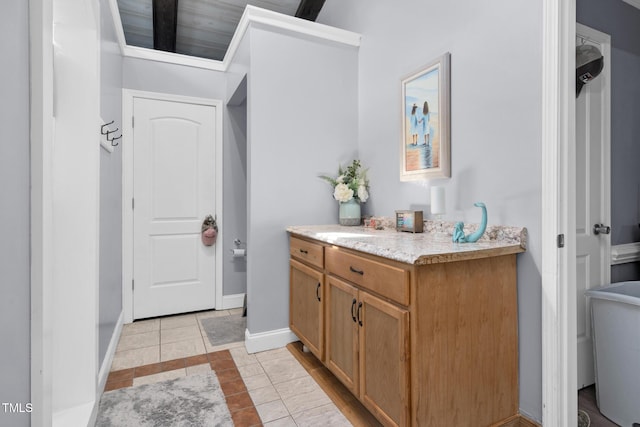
(209, 231)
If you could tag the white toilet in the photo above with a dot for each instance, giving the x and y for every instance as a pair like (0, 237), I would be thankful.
(615, 315)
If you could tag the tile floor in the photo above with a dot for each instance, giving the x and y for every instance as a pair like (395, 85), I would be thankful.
(269, 388)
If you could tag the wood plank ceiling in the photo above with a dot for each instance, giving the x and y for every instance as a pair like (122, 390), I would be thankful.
(202, 28)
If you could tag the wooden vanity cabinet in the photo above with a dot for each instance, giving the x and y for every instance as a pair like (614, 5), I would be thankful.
(306, 294)
(384, 360)
(342, 332)
(368, 337)
(419, 345)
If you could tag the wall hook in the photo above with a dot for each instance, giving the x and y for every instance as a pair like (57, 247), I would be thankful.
(109, 138)
(113, 139)
(102, 132)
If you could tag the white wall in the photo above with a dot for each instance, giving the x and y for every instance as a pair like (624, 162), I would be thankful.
(235, 197)
(162, 77)
(302, 122)
(15, 212)
(495, 114)
(110, 288)
(235, 171)
(75, 211)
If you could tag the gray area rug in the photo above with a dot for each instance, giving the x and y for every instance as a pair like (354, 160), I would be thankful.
(225, 329)
(194, 400)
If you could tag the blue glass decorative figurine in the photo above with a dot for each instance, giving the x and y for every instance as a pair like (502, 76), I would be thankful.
(458, 230)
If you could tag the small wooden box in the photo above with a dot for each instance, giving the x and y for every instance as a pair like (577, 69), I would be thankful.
(409, 221)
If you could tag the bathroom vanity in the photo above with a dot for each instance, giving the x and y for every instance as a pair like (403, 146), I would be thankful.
(423, 331)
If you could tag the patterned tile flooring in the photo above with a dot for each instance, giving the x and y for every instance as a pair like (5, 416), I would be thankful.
(270, 388)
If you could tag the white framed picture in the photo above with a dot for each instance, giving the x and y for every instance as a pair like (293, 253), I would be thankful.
(425, 148)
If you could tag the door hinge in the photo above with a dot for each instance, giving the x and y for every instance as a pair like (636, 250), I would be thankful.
(133, 286)
(133, 205)
(561, 240)
(132, 121)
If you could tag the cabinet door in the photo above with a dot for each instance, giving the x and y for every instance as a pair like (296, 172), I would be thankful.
(384, 360)
(306, 306)
(342, 332)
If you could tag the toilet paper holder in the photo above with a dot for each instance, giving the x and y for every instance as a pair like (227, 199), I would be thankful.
(238, 252)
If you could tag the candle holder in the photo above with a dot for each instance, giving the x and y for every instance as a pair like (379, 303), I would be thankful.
(437, 202)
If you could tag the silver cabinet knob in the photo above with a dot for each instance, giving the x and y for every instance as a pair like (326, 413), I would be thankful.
(601, 229)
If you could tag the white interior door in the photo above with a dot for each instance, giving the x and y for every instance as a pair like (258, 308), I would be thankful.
(173, 191)
(593, 248)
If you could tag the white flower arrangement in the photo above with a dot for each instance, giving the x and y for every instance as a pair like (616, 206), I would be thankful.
(342, 193)
(351, 183)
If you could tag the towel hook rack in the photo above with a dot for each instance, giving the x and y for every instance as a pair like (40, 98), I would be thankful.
(113, 139)
(105, 125)
(105, 130)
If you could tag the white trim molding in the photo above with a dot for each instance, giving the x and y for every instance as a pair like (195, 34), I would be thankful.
(117, 25)
(290, 24)
(622, 254)
(251, 15)
(558, 270)
(232, 301)
(108, 357)
(76, 416)
(172, 58)
(128, 96)
(65, 159)
(262, 341)
(103, 374)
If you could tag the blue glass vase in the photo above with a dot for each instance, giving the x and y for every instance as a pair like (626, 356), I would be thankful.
(349, 213)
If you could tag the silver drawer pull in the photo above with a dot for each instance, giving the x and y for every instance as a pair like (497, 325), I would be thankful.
(353, 270)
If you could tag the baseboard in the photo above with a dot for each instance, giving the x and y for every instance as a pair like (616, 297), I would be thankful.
(517, 420)
(268, 340)
(81, 415)
(232, 301)
(103, 374)
(621, 254)
(527, 422)
(111, 351)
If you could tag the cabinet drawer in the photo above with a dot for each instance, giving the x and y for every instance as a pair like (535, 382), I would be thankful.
(384, 279)
(307, 251)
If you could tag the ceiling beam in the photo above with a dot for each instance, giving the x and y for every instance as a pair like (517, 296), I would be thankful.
(309, 9)
(165, 24)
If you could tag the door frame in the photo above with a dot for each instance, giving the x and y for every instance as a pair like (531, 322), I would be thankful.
(56, 213)
(558, 207)
(128, 96)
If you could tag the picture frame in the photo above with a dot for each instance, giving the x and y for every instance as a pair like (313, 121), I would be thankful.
(425, 147)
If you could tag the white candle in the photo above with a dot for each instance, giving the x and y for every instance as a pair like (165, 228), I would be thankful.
(437, 200)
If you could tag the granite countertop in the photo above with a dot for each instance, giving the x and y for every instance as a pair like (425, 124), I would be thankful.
(432, 246)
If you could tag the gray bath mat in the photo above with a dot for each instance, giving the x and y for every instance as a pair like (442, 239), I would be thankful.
(194, 400)
(225, 329)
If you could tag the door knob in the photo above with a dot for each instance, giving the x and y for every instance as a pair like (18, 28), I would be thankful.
(601, 229)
